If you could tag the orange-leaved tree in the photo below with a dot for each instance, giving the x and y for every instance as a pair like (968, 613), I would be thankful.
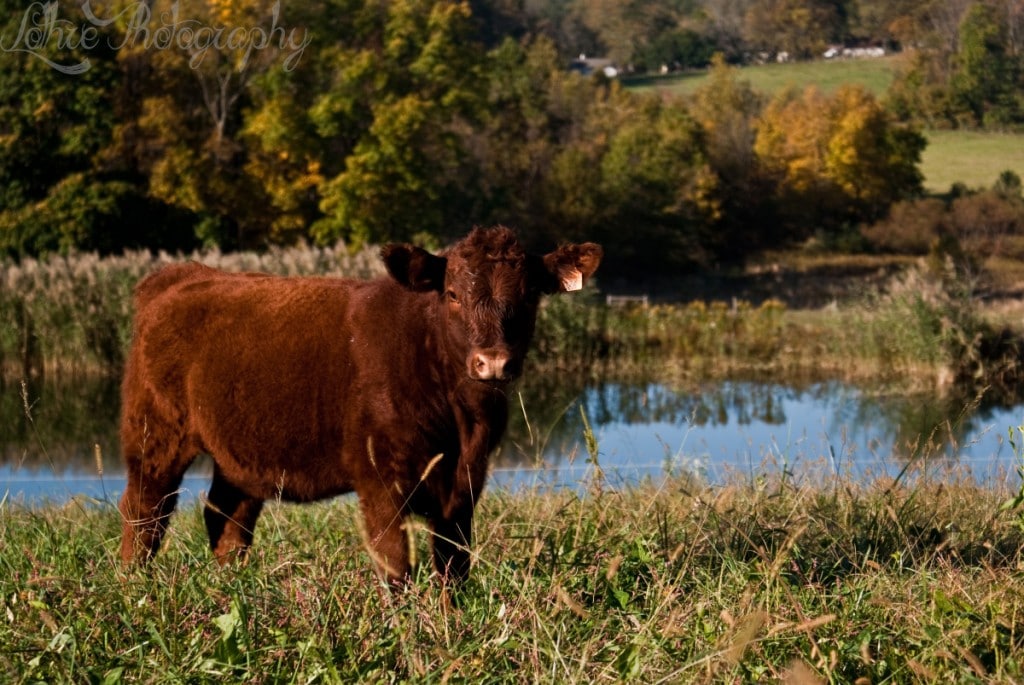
(837, 160)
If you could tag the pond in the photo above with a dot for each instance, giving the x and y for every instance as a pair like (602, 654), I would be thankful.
(59, 440)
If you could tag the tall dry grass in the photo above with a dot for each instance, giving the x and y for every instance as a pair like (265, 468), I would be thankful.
(73, 313)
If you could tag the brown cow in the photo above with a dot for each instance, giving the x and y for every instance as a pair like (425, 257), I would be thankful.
(304, 388)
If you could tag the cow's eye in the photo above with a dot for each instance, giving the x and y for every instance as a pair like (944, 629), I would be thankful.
(452, 297)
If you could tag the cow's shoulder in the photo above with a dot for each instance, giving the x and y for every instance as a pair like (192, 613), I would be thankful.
(170, 277)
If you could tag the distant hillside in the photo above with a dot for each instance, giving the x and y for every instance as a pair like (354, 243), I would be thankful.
(974, 158)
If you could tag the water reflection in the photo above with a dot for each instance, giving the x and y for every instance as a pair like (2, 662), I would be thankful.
(59, 424)
(53, 432)
(647, 426)
(553, 405)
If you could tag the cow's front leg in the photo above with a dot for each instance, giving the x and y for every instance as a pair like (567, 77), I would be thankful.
(453, 525)
(386, 537)
(452, 537)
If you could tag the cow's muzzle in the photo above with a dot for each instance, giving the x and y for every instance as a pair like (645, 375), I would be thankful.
(493, 365)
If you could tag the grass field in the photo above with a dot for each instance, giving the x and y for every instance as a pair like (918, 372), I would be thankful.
(873, 74)
(975, 158)
(760, 581)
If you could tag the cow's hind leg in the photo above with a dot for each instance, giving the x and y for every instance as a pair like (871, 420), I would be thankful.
(156, 457)
(230, 517)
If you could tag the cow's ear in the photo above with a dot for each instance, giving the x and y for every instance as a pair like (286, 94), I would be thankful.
(571, 266)
(414, 267)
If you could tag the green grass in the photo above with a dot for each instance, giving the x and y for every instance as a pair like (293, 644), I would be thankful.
(873, 74)
(975, 158)
(887, 582)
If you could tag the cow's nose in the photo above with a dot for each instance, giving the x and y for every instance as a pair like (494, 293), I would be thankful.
(490, 365)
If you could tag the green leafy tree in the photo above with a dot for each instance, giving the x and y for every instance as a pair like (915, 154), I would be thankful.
(540, 130)
(677, 49)
(656, 172)
(986, 79)
(967, 69)
(306, 117)
(58, 118)
(405, 173)
(636, 177)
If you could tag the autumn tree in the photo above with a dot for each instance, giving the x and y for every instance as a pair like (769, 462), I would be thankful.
(728, 110)
(871, 159)
(306, 117)
(58, 117)
(839, 159)
(884, 22)
(803, 28)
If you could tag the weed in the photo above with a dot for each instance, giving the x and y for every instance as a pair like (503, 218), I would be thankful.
(1015, 505)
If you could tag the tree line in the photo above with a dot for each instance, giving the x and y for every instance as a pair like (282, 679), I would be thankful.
(644, 35)
(245, 123)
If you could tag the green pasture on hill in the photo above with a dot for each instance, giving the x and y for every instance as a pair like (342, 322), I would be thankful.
(873, 74)
(974, 158)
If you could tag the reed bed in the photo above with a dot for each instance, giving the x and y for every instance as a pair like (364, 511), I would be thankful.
(918, 330)
(73, 315)
(582, 332)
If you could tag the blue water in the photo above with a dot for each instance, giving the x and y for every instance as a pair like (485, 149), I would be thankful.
(746, 430)
(644, 432)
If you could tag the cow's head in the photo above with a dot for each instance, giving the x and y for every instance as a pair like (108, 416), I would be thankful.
(488, 290)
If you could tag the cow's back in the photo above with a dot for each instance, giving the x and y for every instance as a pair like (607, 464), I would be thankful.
(267, 373)
(166, 278)
(165, 328)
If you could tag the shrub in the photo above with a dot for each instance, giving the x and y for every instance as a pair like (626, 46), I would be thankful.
(911, 227)
(921, 318)
(983, 221)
